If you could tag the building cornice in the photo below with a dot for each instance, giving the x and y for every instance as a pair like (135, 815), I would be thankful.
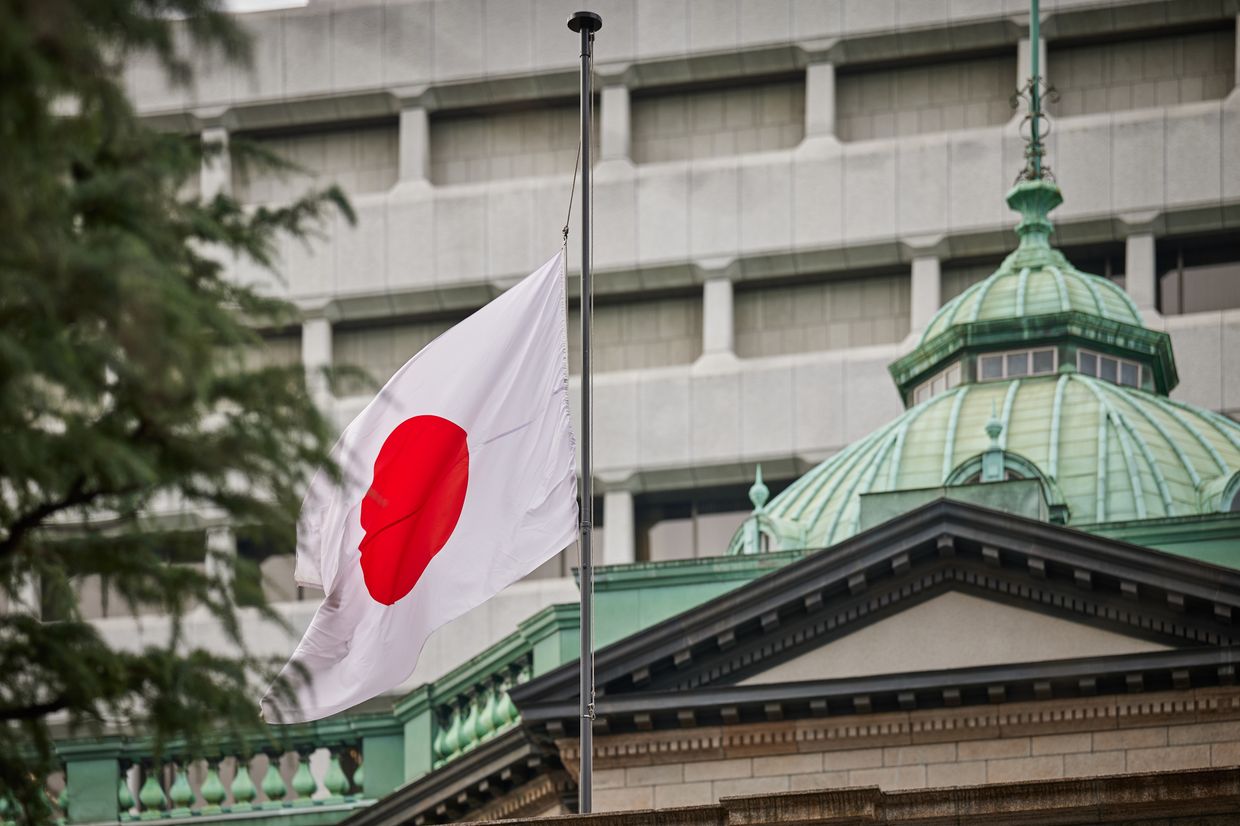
(898, 728)
(944, 544)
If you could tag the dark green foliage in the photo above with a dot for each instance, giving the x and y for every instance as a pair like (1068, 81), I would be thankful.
(129, 409)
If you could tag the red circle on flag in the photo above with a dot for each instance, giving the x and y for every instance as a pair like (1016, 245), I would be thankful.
(413, 503)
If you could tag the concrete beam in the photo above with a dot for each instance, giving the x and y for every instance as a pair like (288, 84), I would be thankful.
(619, 537)
(316, 355)
(1140, 275)
(820, 100)
(718, 333)
(216, 175)
(221, 542)
(415, 143)
(926, 297)
(614, 124)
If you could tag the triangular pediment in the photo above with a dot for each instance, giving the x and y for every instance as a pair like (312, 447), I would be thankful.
(952, 630)
(949, 603)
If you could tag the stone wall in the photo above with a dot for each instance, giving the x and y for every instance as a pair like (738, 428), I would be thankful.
(380, 349)
(1138, 73)
(1006, 743)
(711, 123)
(360, 159)
(822, 315)
(1169, 798)
(914, 100)
(637, 334)
(498, 145)
(959, 277)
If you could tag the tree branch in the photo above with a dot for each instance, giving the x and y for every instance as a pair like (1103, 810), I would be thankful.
(24, 524)
(34, 712)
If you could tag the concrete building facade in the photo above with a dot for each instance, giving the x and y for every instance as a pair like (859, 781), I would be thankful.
(786, 193)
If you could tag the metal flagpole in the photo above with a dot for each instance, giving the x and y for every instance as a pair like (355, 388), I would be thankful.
(586, 23)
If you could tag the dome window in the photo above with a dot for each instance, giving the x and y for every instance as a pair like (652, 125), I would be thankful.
(1016, 364)
(940, 382)
(1109, 368)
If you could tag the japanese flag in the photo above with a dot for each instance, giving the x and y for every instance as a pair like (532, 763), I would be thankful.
(457, 480)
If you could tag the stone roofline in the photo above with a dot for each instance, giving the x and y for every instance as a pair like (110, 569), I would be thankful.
(1110, 799)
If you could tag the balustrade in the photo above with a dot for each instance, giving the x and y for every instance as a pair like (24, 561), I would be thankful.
(55, 802)
(477, 714)
(308, 776)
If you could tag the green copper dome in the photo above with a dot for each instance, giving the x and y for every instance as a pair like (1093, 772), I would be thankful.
(1103, 453)
(1041, 376)
(1036, 279)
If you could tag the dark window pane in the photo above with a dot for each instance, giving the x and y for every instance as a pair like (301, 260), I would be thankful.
(1198, 274)
(1018, 364)
(992, 367)
(1108, 369)
(1129, 374)
(1089, 364)
(1043, 361)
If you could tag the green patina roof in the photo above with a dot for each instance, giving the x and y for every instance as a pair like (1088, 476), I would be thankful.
(1111, 453)
(1102, 453)
(1035, 279)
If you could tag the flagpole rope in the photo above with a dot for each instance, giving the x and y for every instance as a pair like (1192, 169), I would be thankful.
(572, 191)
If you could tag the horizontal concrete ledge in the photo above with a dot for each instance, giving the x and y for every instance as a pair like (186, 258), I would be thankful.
(1112, 799)
(819, 208)
(458, 52)
(673, 427)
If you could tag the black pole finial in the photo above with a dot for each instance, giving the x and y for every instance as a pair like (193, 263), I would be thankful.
(587, 20)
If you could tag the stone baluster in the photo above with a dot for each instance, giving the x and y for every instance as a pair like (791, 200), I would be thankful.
(486, 717)
(124, 796)
(454, 743)
(469, 730)
(439, 745)
(213, 791)
(243, 790)
(181, 792)
(62, 800)
(334, 781)
(151, 795)
(273, 783)
(303, 781)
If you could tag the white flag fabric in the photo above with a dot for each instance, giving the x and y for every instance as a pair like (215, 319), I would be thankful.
(458, 479)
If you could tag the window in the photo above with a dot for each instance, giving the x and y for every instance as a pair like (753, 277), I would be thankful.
(1109, 368)
(940, 383)
(1016, 364)
(694, 523)
(1198, 274)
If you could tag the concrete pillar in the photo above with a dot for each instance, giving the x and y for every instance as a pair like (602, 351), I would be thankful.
(415, 144)
(1238, 49)
(926, 293)
(1022, 64)
(216, 175)
(614, 124)
(221, 553)
(717, 328)
(29, 597)
(619, 540)
(1140, 273)
(316, 356)
(820, 100)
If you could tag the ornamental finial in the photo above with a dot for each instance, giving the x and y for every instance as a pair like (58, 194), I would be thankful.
(758, 493)
(994, 427)
(1033, 91)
